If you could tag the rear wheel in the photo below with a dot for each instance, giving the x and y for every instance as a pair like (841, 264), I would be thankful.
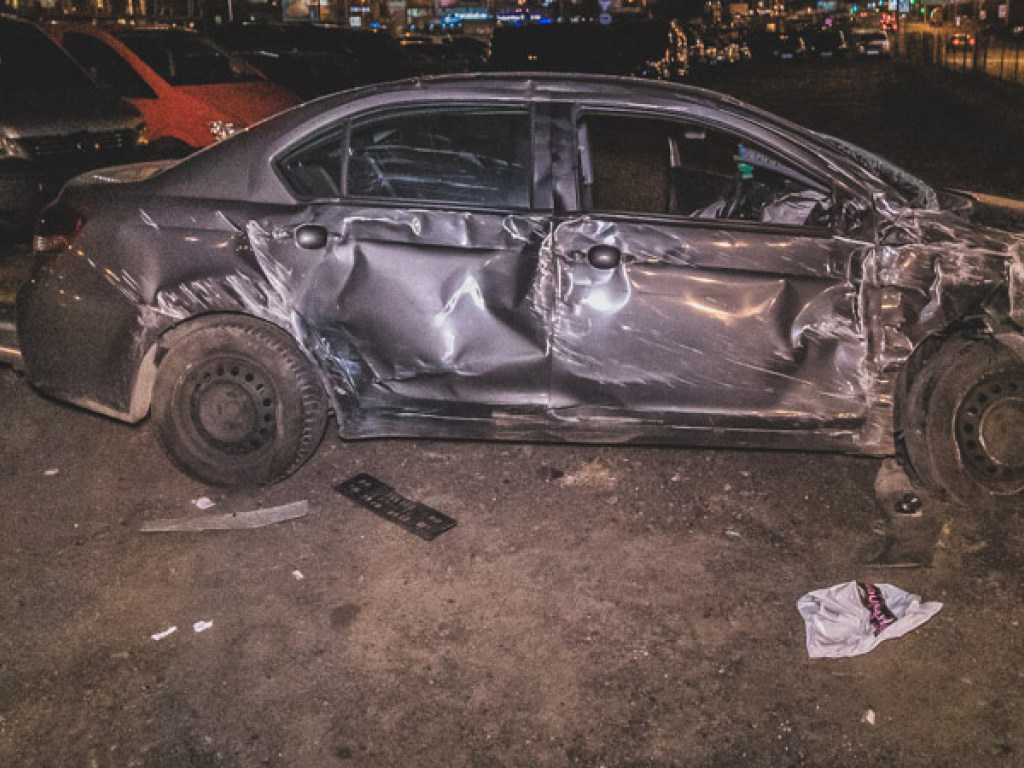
(236, 403)
(965, 424)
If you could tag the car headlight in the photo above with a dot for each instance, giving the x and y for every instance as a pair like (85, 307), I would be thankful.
(222, 129)
(142, 135)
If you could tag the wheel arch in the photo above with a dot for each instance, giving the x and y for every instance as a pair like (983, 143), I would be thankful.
(145, 377)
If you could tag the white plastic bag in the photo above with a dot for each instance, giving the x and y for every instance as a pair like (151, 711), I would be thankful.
(852, 618)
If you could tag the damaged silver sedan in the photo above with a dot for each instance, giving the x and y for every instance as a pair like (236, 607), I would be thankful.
(535, 257)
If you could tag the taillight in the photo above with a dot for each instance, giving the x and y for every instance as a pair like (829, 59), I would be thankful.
(57, 228)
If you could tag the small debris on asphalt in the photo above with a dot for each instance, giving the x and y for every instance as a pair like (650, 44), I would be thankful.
(297, 575)
(166, 633)
(909, 521)
(204, 502)
(256, 518)
(732, 533)
(868, 717)
(547, 474)
(853, 618)
(51, 472)
(909, 504)
(201, 626)
(381, 499)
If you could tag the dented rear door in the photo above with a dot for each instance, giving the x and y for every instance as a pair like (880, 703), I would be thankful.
(423, 289)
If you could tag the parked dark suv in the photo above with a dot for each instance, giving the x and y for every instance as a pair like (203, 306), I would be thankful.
(54, 123)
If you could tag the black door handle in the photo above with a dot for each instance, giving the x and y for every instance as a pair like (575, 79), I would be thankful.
(311, 236)
(604, 257)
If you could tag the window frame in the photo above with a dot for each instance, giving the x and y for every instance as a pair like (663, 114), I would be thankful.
(76, 37)
(582, 159)
(343, 128)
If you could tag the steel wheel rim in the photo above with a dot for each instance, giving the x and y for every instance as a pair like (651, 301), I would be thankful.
(989, 430)
(232, 405)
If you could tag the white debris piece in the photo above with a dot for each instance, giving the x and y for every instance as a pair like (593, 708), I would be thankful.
(868, 717)
(298, 575)
(256, 518)
(852, 618)
(201, 626)
(51, 472)
(166, 633)
(204, 502)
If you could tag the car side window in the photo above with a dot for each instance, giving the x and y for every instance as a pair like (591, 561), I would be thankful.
(314, 170)
(665, 167)
(106, 66)
(469, 155)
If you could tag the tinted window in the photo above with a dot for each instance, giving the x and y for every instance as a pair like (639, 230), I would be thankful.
(183, 58)
(106, 66)
(315, 170)
(642, 165)
(472, 155)
(29, 61)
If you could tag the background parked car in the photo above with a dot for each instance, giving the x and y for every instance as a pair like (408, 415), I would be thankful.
(775, 40)
(54, 123)
(190, 92)
(641, 47)
(427, 54)
(828, 43)
(315, 59)
(961, 41)
(871, 43)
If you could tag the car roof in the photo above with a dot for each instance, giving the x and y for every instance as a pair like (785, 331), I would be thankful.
(541, 86)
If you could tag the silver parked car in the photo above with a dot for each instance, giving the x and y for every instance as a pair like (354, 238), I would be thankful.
(54, 123)
(544, 257)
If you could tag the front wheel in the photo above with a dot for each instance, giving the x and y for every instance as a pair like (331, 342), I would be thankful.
(965, 424)
(236, 403)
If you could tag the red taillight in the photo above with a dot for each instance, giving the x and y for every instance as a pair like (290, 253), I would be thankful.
(57, 228)
(971, 42)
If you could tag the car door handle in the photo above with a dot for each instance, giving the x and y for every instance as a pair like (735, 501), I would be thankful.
(311, 236)
(604, 257)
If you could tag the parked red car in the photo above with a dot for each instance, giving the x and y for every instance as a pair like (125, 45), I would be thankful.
(190, 92)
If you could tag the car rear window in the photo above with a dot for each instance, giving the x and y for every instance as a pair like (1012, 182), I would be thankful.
(183, 58)
(466, 155)
(29, 61)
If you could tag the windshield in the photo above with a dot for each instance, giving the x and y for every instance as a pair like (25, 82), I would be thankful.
(30, 62)
(184, 58)
(914, 192)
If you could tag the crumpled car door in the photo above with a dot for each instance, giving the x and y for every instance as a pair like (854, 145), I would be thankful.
(421, 311)
(681, 321)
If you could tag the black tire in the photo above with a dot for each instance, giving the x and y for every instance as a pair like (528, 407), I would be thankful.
(964, 430)
(236, 403)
